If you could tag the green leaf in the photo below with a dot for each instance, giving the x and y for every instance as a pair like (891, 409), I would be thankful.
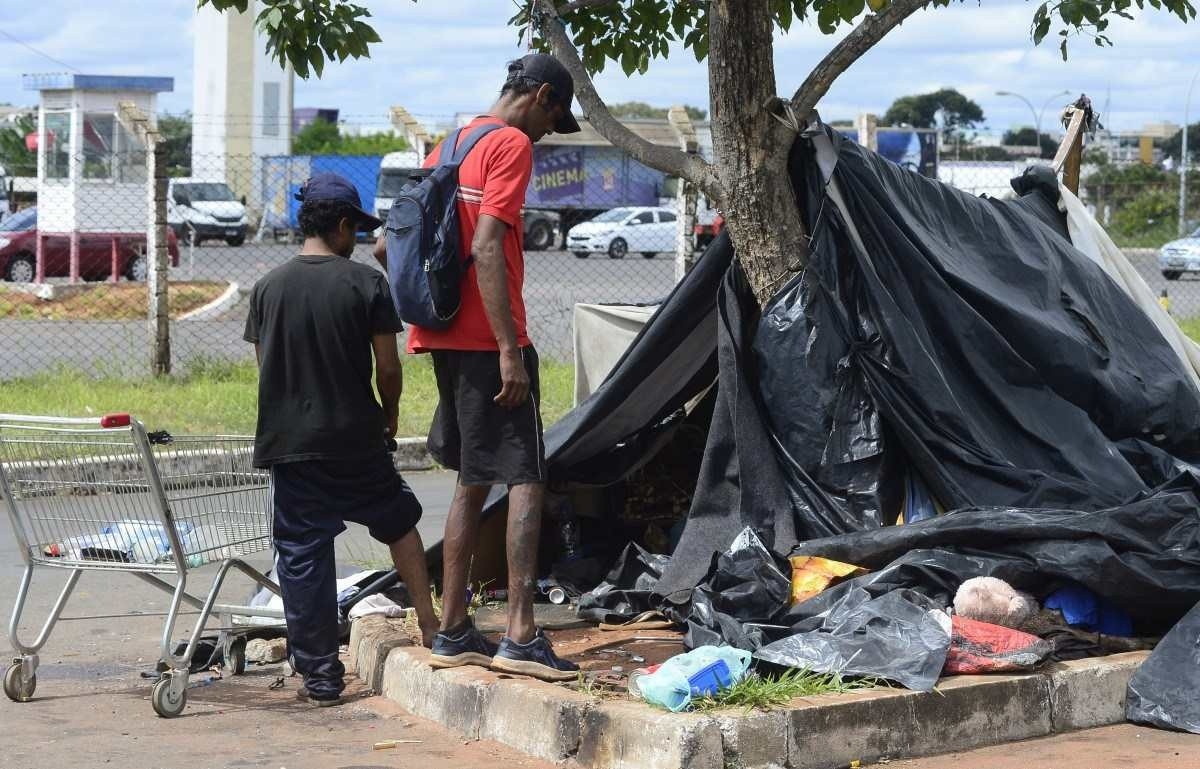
(317, 59)
(851, 9)
(877, 5)
(629, 61)
(274, 16)
(828, 17)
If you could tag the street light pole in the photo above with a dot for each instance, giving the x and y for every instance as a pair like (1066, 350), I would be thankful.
(1183, 154)
(1037, 116)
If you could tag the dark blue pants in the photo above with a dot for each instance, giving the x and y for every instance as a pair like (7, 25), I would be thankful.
(312, 500)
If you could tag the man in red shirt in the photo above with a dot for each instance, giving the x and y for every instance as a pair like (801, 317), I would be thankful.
(488, 426)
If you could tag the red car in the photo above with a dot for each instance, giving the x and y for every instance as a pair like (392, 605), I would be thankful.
(18, 252)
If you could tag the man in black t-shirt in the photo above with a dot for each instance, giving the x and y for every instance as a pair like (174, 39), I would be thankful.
(316, 322)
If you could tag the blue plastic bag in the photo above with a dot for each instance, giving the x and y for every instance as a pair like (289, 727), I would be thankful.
(702, 672)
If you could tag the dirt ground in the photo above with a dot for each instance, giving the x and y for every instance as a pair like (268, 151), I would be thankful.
(230, 724)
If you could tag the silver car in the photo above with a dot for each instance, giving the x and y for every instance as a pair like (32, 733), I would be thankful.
(1180, 256)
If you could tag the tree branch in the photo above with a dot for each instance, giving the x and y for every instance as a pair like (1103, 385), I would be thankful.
(666, 159)
(869, 32)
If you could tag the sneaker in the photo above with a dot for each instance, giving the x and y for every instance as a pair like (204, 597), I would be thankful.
(327, 702)
(461, 646)
(535, 659)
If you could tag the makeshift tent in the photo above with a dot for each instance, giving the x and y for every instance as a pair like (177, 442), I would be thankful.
(961, 345)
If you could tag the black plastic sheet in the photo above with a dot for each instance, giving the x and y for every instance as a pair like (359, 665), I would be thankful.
(1165, 690)
(900, 635)
(626, 591)
(964, 341)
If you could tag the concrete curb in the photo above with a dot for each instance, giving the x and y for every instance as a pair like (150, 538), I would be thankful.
(413, 454)
(48, 292)
(558, 724)
(227, 299)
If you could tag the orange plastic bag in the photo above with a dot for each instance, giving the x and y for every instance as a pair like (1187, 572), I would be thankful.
(811, 575)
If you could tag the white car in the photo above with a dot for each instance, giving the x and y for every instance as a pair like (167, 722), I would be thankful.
(1180, 256)
(648, 231)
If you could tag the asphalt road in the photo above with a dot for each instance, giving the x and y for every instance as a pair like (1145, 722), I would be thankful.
(554, 282)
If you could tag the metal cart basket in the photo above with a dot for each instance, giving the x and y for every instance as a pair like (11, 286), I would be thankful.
(102, 494)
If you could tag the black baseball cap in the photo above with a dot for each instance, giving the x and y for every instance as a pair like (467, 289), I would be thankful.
(544, 68)
(331, 186)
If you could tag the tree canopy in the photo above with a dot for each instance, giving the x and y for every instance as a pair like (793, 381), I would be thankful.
(633, 32)
(638, 109)
(15, 157)
(321, 137)
(920, 110)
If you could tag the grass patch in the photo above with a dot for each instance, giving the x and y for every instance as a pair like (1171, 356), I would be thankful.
(756, 692)
(1191, 327)
(220, 397)
(105, 301)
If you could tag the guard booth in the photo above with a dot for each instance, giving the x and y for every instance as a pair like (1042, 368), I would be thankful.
(93, 211)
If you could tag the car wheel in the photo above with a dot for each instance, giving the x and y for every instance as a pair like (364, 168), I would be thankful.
(581, 254)
(618, 248)
(540, 236)
(649, 254)
(22, 268)
(236, 241)
(138, 268)
(1171, 274)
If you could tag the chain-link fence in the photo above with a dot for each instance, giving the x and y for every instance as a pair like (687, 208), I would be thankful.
(599, 228)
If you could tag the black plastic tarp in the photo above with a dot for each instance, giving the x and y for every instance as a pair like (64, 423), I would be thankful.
(964, 341)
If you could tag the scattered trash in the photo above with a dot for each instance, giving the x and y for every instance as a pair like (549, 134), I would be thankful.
(637, 659)
(702, 672)
(276, 684)
(387, 744)
(812, 574)
(378, 604)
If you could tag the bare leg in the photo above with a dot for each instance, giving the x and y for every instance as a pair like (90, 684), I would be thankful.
(408, 554)
(462, 529)
(524, 528)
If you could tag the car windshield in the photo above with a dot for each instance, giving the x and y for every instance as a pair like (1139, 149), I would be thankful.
(22, 220)
(392, 182)
(206, 192)
(615, 215)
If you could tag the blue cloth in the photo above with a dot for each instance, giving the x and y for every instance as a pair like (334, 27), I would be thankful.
(1082, 608)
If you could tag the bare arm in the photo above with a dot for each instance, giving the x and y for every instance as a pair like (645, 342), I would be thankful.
(389, 379)
(258, 353)
(492, 271)
(380, 251)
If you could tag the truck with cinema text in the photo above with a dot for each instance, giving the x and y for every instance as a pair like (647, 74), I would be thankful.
(570, 183)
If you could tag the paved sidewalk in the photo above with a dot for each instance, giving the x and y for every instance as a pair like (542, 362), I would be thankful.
(1124, 746)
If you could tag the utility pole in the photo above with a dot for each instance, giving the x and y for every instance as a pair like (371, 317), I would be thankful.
(158, 317)
(1183, 154)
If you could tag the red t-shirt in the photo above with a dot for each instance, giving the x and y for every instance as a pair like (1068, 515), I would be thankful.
(492, 180)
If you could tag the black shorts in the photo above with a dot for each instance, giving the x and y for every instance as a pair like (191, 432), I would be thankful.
(312, 500)
(486, 443)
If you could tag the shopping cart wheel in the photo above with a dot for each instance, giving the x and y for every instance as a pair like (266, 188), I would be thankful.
(236, 659)
(166, 703)
(17, 687)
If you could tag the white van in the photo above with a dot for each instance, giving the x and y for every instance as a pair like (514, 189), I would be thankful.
(200, 210)
(395, 171)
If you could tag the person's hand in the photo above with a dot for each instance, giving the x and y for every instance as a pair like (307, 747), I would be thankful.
(391, 424)
(514, 380)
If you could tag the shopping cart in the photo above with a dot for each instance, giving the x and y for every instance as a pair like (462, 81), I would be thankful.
(102, 494)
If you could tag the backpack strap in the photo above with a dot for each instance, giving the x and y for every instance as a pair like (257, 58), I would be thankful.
(468, 144)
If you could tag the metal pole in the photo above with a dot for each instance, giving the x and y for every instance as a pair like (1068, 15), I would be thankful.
(1037, 121)
(1183, 154)
(1042, 114)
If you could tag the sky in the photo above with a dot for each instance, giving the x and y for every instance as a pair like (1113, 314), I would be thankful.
(441, 57)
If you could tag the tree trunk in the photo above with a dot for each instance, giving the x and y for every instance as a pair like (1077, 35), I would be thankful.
(751, 146)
